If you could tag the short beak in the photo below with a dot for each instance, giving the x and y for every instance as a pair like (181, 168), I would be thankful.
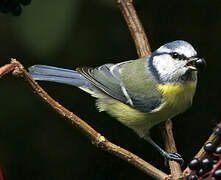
(195, 64)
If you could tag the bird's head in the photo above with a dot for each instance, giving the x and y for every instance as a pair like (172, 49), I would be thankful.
(175, 61)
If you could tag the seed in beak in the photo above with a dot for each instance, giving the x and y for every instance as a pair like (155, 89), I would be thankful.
(200, 63)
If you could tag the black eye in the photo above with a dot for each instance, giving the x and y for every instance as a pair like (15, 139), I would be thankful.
(175, 55)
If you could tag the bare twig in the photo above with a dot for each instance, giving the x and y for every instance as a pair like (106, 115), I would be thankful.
(167, 133)
(136, 28)
(7, 68)
(143, 49)
(96, 138)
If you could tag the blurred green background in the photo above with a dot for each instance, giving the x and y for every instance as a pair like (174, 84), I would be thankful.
(37, 144)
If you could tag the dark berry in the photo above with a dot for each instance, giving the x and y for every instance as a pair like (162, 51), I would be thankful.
(217, 131)
(217, 174)
(209, 147)
(17, 10)
(218, 150)
(25, 2)
(201, 172)
(207, 164)
(12, 4)
(195, 164)
(192, 177)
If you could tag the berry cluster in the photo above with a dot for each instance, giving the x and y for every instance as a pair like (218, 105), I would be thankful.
(13, 6)
(208, 167)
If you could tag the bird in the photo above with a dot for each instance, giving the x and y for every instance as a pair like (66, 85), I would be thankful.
(139, 93)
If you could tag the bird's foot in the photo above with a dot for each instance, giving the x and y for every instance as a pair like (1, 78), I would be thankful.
(173, 156)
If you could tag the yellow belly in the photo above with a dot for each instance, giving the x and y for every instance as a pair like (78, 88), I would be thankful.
(176, 99)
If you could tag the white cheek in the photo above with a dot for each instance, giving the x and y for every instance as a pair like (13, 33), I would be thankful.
(164, 64)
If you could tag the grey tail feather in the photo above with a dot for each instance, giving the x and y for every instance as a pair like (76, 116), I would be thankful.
(60, 75)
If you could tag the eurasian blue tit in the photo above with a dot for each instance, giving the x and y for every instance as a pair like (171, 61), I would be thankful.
(139, 93)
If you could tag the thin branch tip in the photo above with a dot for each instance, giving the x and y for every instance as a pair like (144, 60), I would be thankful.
(18, 70)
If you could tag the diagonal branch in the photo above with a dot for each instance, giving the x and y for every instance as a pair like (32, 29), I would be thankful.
(95, 137)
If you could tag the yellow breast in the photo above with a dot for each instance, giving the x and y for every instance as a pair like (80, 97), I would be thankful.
(178, 97)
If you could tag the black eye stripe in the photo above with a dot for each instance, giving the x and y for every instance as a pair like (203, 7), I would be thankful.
(176, 55)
